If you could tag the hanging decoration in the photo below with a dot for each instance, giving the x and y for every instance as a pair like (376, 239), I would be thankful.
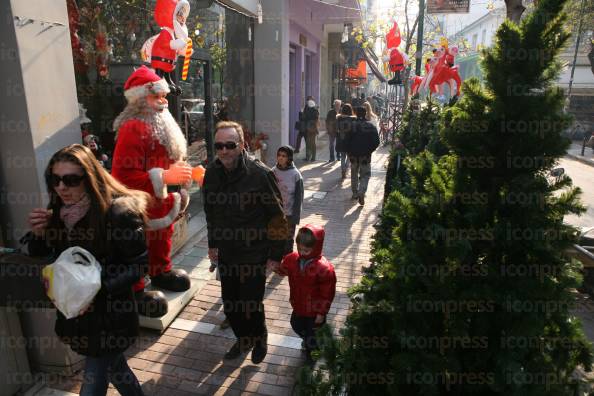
(440, 70)
(358, 75)
(396, 59)
(78, 55)
(187, 60)
(393, 38)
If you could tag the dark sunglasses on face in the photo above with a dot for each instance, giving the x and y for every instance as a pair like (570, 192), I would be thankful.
(227, 145)
(68, 180)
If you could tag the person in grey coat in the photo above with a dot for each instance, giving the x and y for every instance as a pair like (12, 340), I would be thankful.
(290, 184)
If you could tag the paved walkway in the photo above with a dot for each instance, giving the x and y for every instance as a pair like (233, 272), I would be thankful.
(575, 152)
(187, 358)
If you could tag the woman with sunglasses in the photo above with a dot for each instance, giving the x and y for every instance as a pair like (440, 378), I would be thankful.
(90, 209)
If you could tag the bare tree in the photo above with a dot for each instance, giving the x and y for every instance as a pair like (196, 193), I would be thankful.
(408, 37)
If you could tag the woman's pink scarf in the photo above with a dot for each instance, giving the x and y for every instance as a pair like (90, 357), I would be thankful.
(71, 214)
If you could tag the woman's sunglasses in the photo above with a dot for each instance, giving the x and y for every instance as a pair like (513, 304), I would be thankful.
(227, 145)
(68, 180)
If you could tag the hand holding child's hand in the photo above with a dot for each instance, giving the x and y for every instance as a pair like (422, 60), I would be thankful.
(272, 265)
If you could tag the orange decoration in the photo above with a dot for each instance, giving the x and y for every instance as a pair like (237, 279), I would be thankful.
(198, 174)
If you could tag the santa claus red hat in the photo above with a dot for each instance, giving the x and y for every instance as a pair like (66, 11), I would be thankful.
(143, 82)
(165, 11)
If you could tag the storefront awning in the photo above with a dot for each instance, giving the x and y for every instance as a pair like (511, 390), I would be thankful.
(369, 57)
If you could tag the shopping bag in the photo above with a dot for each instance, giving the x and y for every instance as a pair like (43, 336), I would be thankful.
(73, 281)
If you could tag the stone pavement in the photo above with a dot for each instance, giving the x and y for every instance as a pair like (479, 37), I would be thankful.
(187, 358)
(575, 152)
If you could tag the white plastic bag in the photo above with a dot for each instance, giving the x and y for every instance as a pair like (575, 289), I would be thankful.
(73, 281)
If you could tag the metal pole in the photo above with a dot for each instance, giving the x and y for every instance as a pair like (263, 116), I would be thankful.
(577, 46)
(419, 53)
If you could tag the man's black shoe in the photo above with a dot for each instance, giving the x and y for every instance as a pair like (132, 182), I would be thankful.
(260, 349)
(259, 353)
(238, 348)
(234, 352)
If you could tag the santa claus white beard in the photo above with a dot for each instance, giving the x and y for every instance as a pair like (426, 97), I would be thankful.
(181, 31)
(162, 124)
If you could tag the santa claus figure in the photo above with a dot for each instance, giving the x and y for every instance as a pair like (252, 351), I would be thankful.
(171, 16)
(149, 156)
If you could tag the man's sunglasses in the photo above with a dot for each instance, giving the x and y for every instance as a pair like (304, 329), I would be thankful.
(227, 145)
(68, 180)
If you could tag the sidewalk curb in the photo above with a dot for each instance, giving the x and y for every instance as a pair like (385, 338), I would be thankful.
(581, 159)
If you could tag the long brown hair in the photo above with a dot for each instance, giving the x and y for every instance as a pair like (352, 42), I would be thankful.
(346, 109)
(370, 114)
(101, 187)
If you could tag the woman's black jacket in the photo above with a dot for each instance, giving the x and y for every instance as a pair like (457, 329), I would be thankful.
(111, 322)
(345, 125)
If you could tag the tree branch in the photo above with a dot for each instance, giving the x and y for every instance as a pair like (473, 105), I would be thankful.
(514, 9)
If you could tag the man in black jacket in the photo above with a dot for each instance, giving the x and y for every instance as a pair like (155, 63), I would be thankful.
(247, 231)
(361, 143)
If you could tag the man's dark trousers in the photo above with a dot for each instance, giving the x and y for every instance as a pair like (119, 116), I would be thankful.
(243, 287)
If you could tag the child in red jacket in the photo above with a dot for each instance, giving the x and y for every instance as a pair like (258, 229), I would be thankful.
(312, 283)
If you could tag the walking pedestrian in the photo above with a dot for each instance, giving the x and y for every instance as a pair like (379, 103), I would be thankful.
(301, 126)
(370, 115)
(91, 209)
(331, 128)
(363, 141)
(312, 284)
(290, 184)
(247, 232)
(345, 122)
(311, 117)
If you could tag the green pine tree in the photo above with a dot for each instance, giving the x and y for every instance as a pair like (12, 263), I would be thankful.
(472, 293)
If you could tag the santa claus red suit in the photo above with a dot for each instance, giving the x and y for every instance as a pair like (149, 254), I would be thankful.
(171, 16)
(149, 143)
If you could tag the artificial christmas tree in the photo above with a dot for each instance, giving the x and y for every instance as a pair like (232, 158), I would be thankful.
(471, 294)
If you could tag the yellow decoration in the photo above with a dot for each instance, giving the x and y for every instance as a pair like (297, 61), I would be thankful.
(186, 65)
(443, 42)
(48, 280)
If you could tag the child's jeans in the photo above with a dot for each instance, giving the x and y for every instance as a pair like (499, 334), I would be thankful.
(305, 327)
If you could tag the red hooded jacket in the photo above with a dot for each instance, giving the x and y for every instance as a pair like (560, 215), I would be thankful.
(313, 288)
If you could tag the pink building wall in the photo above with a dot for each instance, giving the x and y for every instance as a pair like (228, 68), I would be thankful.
(307, 19)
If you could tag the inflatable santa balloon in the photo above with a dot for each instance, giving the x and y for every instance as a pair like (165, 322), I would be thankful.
(163, 49)
(396, 64)
(444, 72)
(396, 59)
